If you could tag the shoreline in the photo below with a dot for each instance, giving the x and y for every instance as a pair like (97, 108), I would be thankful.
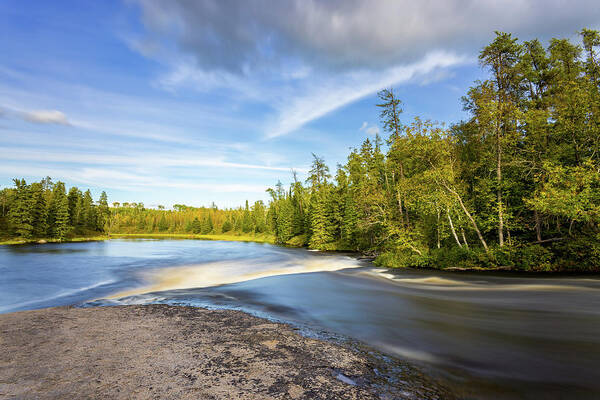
(161, 351)
(77, 239)
(270, 239)
(223, 237)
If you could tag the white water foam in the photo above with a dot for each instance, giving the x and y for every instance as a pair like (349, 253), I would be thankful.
(441, 283)
(234, 271)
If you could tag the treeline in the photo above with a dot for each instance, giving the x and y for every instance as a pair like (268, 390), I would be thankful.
(44, 210)
(134, 218)
(515, 185)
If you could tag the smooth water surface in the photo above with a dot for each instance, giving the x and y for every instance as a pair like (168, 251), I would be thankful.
(491, 336)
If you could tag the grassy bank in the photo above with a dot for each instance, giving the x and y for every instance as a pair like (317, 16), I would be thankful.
(48, 240)
(232, 238)
(574, 256)
(261, 238)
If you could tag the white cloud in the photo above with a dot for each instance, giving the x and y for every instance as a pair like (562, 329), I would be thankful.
(369, 129)
(116, 179)
(46, 117)
(255, 35)
(307, 58)
(321, 99)
(132, 159)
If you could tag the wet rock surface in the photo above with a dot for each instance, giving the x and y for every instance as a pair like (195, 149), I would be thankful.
(171, 352)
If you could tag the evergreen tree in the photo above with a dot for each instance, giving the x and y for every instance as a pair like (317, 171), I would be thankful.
(88, 211)
(39, 210)
(59, 212)
(321, 224)
(103, 214)
(226, 227)
(207, 225)
(163, 225)
(247, 220)
(196, 226)
(20, 214)
(75, 200)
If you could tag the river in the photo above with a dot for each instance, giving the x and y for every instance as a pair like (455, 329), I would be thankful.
(490, 336)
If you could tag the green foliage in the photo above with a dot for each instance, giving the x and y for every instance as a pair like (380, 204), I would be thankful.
(516, 185)
(196, 226)
(20, 216)
(163, 225)
(226, 227)
(134, 218)
(572, 193)
(59, 212)
(45, 210)
(298, 241)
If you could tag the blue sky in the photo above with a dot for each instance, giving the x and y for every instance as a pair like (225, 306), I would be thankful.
(168, 102)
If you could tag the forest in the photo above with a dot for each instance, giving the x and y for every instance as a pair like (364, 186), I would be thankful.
(514, 185)
(44, 210)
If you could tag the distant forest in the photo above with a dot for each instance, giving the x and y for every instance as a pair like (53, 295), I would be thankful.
(44, 210)
(517, 184)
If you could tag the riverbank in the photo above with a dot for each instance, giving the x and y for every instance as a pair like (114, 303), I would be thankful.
(461, 261)
(230, 238)
(50, 240)
(160, 351)
(261, 238)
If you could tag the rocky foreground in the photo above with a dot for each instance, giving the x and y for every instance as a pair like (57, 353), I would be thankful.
(168, 352)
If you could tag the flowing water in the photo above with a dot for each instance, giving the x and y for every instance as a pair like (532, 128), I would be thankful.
(489, 336)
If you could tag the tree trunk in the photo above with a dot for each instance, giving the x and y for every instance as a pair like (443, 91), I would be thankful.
(499, 188)
(438, 228)
(538, 228)
(468, 214)
(462, 232)
(405, 214)
(479, 235)
(452, 227)
(400, 205)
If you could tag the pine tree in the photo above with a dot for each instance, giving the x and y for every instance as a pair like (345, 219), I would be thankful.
(163, 225)
(226, 227)
(20, 215)
(196, 226)
(75, 201)
(88, 211)
(247, 220)
(283, 221)
(103, 212)
(207, 225)
(320, 219)
(59, 212)
(349, 229)
(39, 210)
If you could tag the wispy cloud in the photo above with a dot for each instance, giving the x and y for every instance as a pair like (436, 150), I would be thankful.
(34, 116)
(46, 117)
(111, 178)
(369, 129)
(140, 160)
(327, 97)
(305, 59)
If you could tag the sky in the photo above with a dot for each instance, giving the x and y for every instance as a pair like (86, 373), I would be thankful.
(200, 101)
